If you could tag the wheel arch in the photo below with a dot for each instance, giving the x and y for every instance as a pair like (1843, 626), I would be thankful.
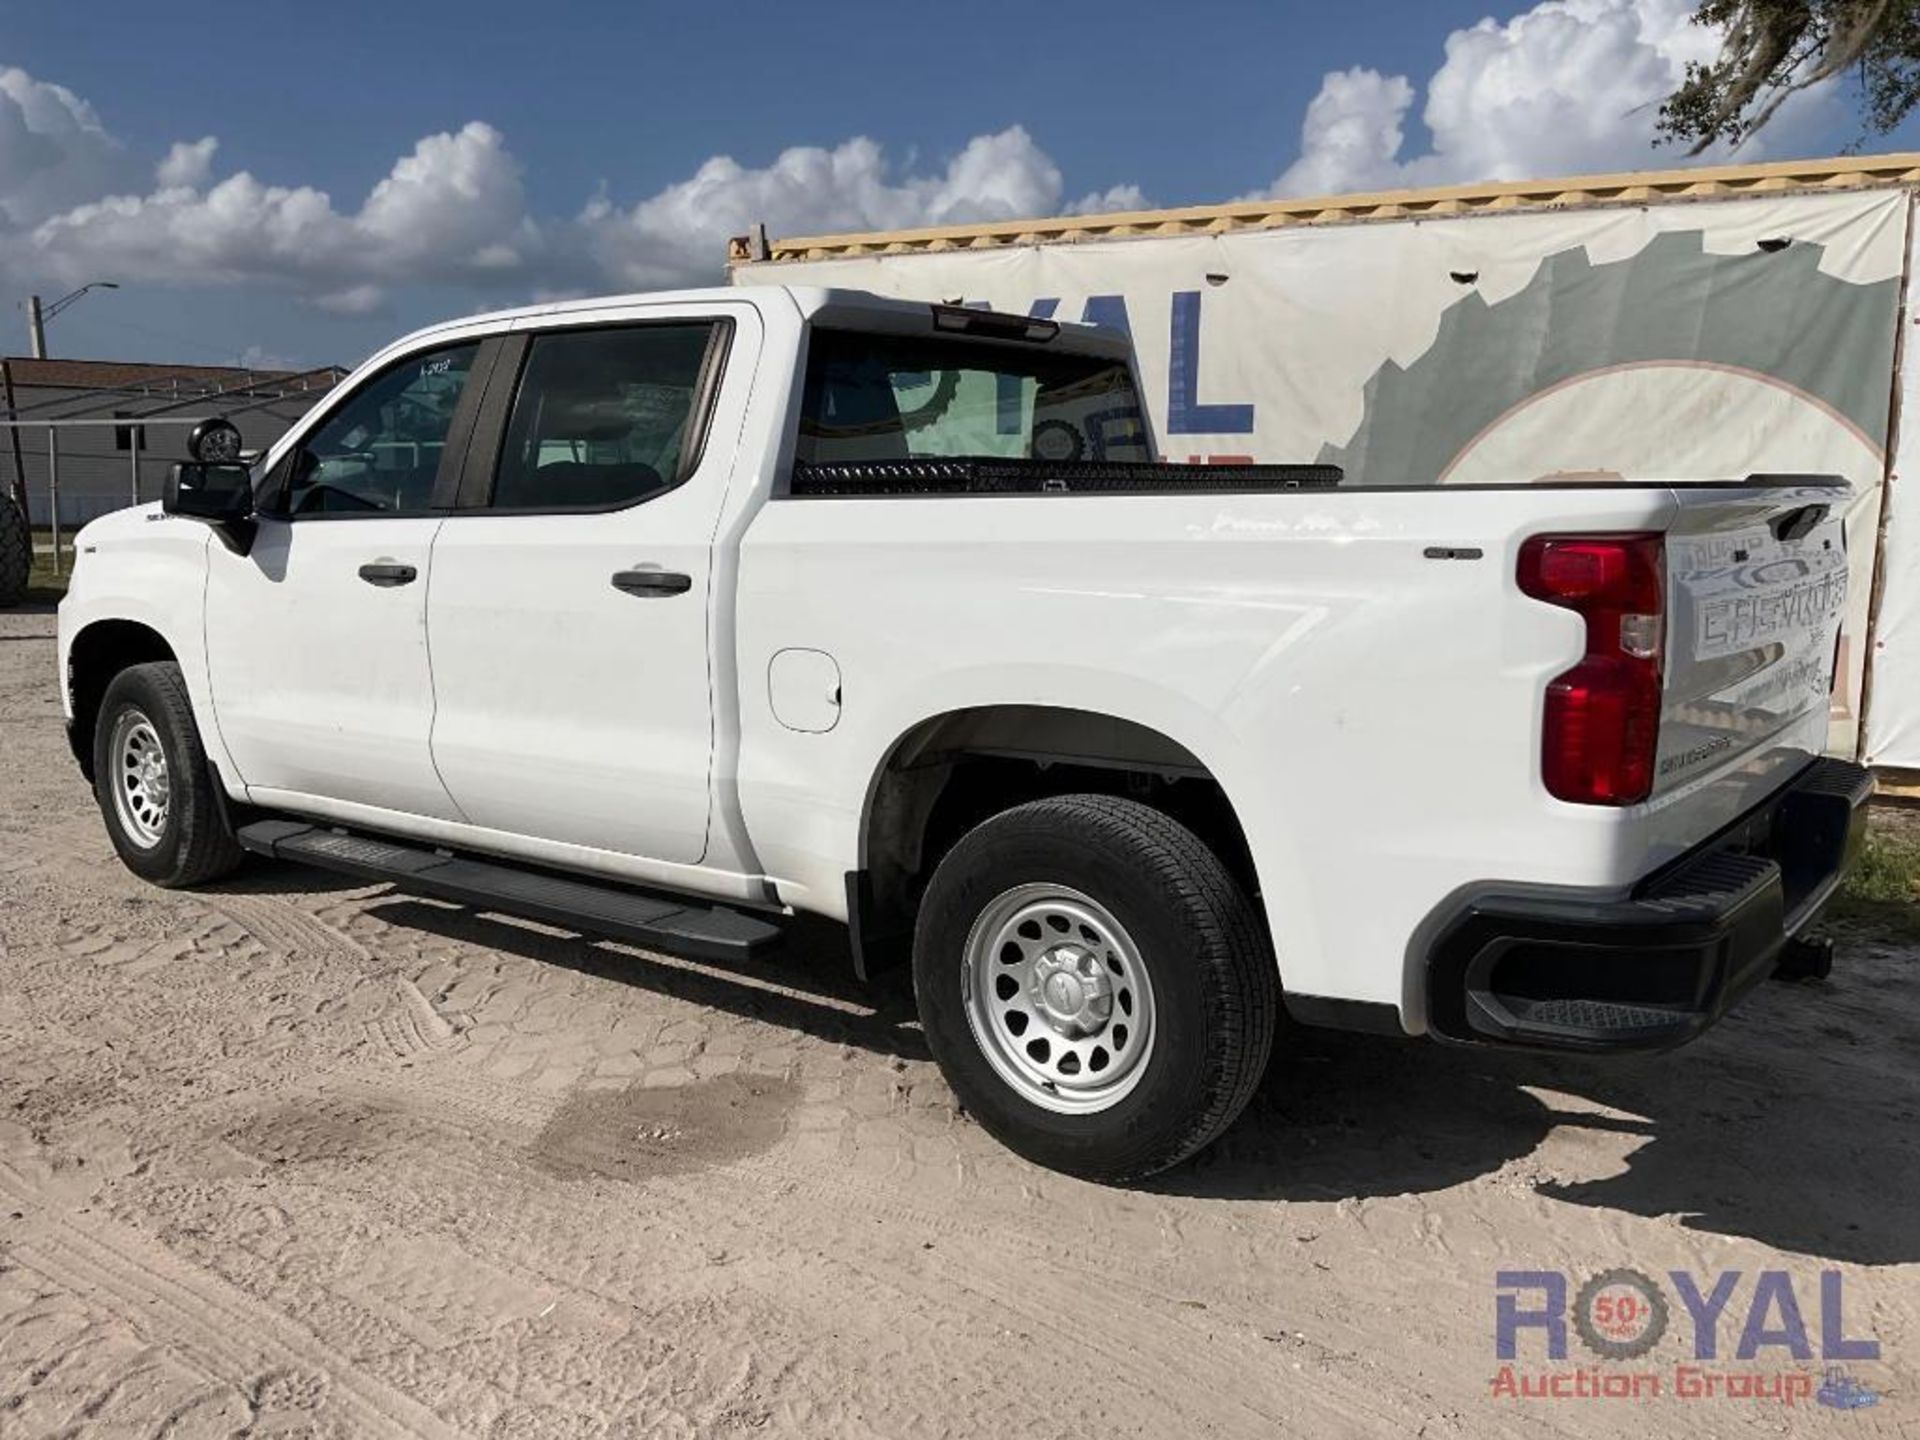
(100, 651)
(948, 771)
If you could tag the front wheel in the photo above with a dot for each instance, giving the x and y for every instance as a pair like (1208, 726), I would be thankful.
(153, 782)
(1095, 985)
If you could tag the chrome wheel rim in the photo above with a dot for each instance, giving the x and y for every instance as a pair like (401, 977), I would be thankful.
(142, 787)
(1058, 998)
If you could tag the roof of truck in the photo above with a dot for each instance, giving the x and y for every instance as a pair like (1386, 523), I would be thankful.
(807, 298)
(813, 302)
(1641, 187)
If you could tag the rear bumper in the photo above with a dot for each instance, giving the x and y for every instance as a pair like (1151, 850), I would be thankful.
(1654, 969)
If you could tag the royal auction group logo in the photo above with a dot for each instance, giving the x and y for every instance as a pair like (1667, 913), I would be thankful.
(1621, 1315)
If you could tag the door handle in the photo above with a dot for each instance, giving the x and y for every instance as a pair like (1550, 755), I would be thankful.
(385, 573)
(652, 582)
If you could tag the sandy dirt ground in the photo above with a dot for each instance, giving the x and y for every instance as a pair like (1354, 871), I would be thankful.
(298, 1157)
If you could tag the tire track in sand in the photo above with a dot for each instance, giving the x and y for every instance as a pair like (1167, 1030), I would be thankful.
(979, 1279)
(214, 1327)
(282, 926)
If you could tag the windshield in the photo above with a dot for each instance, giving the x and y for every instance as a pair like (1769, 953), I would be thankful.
(905, 397)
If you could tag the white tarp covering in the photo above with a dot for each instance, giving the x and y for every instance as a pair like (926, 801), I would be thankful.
(1684, 340)
(1893, 726)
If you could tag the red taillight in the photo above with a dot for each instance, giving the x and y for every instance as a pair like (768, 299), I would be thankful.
(1603, 715)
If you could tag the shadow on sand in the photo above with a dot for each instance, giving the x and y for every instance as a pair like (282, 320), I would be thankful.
(1792, 1123)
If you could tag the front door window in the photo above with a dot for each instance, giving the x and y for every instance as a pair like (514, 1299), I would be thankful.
(380, 452)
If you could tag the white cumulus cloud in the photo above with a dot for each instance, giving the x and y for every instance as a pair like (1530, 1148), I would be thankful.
(188, 166)
(454, 212)
(1105, 202)
(54, 152)
(681, 232)
(451, 211)
(1352, 134)
(1566, 87)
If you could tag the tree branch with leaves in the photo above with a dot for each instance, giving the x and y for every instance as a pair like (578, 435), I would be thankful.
(1774, 49)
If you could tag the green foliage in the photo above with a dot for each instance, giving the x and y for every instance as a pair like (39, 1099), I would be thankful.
(44, 587)
(1883, 888)
(1774, 48)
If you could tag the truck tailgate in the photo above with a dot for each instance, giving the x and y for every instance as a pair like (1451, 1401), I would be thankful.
(1756, 587)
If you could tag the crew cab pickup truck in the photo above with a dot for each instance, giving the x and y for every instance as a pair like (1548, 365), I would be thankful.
(665, 617)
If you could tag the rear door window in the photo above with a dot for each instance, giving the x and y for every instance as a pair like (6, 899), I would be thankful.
(604, 418)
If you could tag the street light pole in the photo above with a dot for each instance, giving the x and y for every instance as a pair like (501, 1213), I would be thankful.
(38, 314)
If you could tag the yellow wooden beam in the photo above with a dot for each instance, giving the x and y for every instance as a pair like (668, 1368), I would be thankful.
(1894, 784)
(1776, 177)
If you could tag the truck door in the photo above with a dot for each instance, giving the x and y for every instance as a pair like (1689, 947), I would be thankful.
(316, 638)
(571, 605)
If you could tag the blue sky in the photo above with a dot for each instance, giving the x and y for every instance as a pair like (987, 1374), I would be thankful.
(1115, 103)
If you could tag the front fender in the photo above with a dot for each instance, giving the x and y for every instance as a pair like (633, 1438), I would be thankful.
(143, 567)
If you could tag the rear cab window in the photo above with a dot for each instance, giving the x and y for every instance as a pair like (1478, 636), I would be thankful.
(879, 397)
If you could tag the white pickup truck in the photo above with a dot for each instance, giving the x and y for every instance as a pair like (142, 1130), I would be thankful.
(662, 617)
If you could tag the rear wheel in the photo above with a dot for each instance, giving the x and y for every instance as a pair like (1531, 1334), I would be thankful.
(1095, 985)
(153, 782)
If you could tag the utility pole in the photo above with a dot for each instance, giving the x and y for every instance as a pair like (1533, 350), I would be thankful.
(38, 314)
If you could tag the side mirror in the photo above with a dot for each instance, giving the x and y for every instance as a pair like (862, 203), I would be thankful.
(220, 494)
(206, 490)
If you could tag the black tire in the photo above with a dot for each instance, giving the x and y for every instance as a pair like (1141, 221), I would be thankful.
(16, 552)
(194, 842)
(1214, 980)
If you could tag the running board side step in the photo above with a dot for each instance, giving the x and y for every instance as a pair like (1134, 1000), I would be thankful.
(681, 927)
